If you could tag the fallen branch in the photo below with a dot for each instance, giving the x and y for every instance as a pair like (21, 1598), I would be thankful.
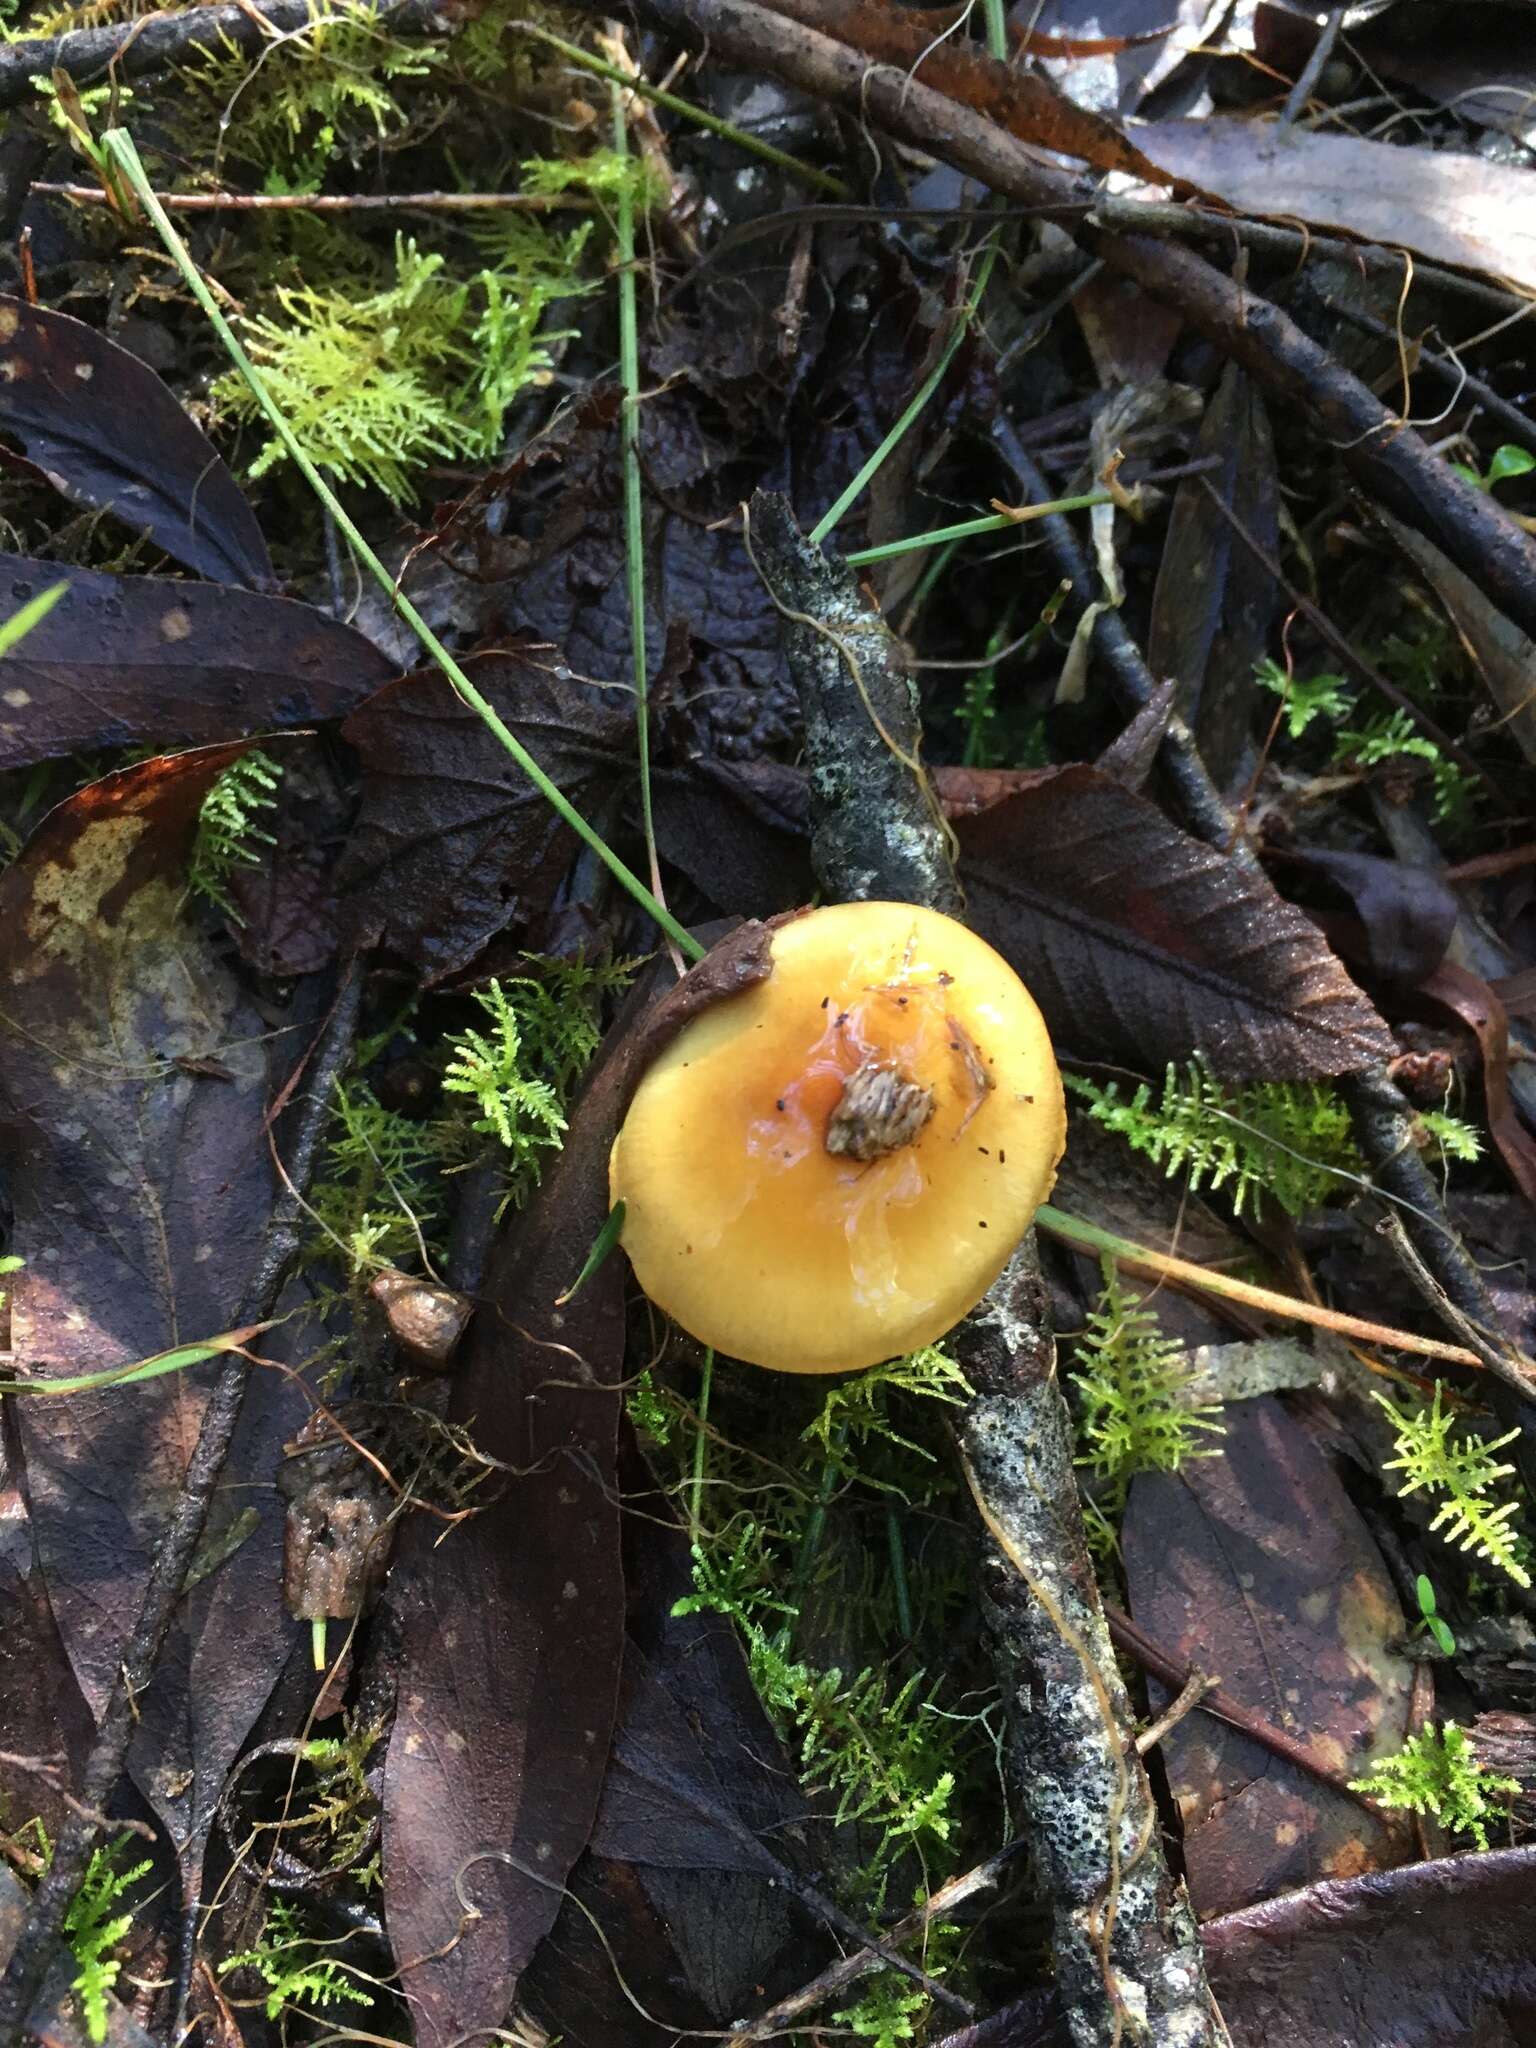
(33, 1952)
(1127, 1956)
(154, 42)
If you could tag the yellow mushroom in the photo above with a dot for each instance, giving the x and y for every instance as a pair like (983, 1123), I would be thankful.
(832, 1167)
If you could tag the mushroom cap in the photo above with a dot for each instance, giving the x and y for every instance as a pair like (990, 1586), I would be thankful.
(758, 1239)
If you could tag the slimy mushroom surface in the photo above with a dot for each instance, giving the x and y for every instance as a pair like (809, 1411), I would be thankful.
(833, 1167)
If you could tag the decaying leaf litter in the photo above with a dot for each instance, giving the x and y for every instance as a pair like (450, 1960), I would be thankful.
(569, 1680)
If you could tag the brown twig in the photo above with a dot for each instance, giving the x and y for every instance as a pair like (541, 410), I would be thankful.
(334, 202)
(848, 1969)
(35, 1944)
(1152, 1657)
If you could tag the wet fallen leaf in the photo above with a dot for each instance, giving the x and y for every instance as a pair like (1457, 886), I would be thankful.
(1435, 1956)
(1140, 942)
(103, 428)
(126, 661)
(141, 1190)
(1256, 1565)
(1453, 207)
(1407, 914)
(452, 842)
(512, 1622)
(1214, 603)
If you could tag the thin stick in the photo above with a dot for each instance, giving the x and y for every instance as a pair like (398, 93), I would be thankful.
(1086, 1236)
(1312, 70)
(104, 1766)
(1213, 1700)
(119, 147)
(848, 1969)
(337, 202)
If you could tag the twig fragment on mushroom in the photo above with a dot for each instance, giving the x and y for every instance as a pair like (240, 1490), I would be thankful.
(1127, 1956)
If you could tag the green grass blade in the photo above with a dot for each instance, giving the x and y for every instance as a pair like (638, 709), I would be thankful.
(33, 612)
(152, 1368)
(119, 146)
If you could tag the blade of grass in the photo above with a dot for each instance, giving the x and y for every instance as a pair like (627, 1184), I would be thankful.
(152, 1368)
(854, 490)
(634, 516)
(119, 146)
(1089, 1237)
(20, 623)
(987, 522)
(997, 45)
(687, 111)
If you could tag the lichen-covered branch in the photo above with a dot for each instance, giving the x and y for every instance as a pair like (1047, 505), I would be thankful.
(1128, 1961)
(876, 828)
(154, 42)
(1127, 1956)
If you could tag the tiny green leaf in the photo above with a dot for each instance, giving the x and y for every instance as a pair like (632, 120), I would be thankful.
(1510, 461)
(602, 1245)
(20, 623)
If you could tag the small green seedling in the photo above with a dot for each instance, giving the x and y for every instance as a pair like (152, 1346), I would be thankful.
(1507, 461)
(1430, 1620)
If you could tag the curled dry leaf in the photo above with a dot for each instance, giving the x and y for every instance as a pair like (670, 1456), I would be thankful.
(1475, 1003)
(102, 428)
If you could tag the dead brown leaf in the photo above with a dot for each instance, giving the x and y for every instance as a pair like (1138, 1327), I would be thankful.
(1454, 208)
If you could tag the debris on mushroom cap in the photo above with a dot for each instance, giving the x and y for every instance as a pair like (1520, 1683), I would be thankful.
(832, 1167)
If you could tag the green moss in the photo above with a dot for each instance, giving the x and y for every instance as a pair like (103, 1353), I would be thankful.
(1437, 1773)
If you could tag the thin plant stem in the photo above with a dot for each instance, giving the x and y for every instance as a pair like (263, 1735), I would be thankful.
(1075, 1230)
(700, 1447)
(815, 1526)
(634, 515)
(854, 490)
(997, 44)
(118, 145)
(687, 111)
(989, 522)
(900, 1586)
